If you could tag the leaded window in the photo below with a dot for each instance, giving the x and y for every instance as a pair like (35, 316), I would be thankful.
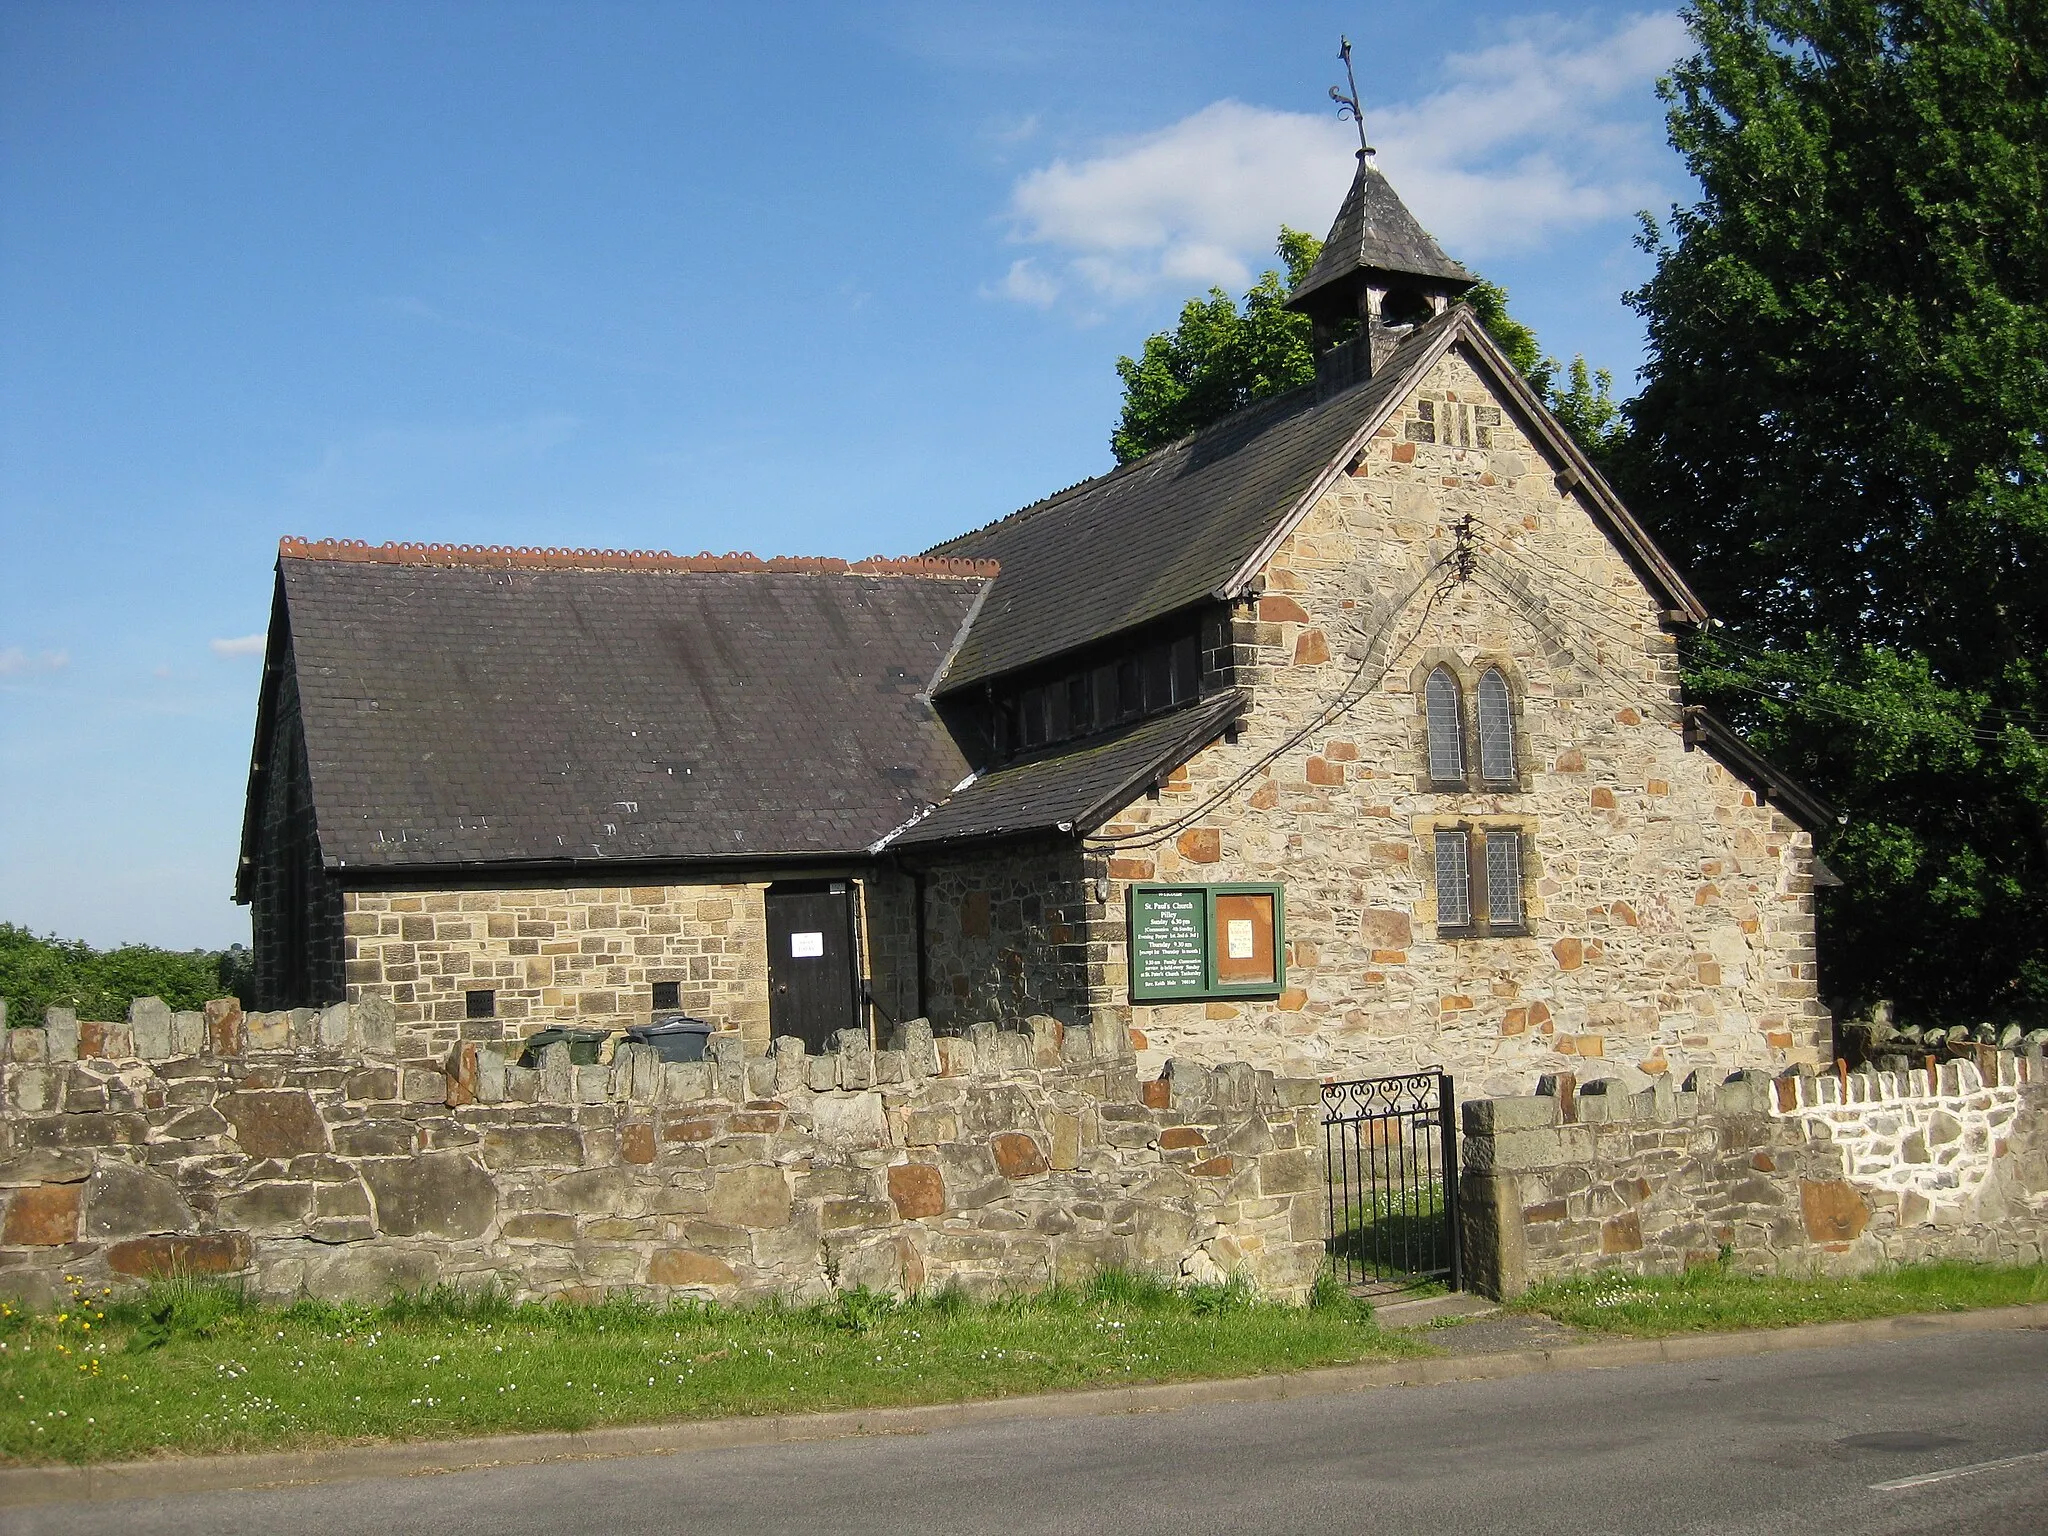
(1503, 880)
(1496, 729)
(1453, 880)
(1479, 882)
(1444, 714)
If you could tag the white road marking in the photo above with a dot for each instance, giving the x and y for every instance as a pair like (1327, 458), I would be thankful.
(1922, 1479)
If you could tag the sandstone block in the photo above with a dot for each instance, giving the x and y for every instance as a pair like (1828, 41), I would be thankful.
(791, 1073)
(370, 1274)
(274, 1122)
(613, 1191)
(750, 1197)
(42, 1216)
(188, 1033)
(684, 1082)
(1289, 1172)
(376, 1138)
(1485, 1117)
(374, 1024)
(122, 1201)
(149, 1024)
(161, 1258)
(838, 1215)
(332, 1028)
(269, 1208)
(1066, 1140)
(856, 1058)
(267, 1031)
(60, 1029)
(1017, 1155)
(31, 1090)
(1834, 1211)
(225, 1027)
(1621, 1234)
(25, 1046)
(540, 1227)
(683, 1266)
(917, 1190)
(432, 1194)
(851, 1122)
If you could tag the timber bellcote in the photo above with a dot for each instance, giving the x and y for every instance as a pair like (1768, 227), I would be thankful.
(1345, 735)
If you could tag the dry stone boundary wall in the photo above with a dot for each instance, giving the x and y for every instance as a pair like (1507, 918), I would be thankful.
(297, 1152)
(1839, 1173)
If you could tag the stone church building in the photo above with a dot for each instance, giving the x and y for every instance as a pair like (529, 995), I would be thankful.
(1344, 736)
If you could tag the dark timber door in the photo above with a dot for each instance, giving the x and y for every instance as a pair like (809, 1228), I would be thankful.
(810, 961)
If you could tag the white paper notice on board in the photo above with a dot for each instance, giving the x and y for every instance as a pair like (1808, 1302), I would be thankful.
(1238, 936)
(806, 946)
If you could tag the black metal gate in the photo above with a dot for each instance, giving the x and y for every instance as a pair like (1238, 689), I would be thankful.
(1392, 1145)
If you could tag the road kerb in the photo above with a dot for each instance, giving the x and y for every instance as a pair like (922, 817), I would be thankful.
(174, 1476)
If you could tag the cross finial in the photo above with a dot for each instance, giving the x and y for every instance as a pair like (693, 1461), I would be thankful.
(1347, 106)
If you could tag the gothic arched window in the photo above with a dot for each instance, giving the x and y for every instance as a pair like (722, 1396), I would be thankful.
(1444, 716)
(1496, 729)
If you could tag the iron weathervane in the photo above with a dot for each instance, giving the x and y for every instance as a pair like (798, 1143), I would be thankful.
(1347, 106)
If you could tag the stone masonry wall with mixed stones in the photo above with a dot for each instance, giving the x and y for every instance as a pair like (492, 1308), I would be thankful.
(1007, 936)
(1843, 1174)
(585, 956)
(1669, 915)
(299, 1153)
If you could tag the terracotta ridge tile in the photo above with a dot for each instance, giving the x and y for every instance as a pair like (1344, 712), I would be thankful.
(526, 558)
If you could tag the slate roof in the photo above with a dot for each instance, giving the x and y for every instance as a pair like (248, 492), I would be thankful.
(480, 713)
(1375, 233)
(1077, 789)
(1162, 532)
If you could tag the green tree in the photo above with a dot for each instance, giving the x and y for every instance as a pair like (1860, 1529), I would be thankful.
(1218, 359)
(1841, 434)
(100, 984)
(1222, 357)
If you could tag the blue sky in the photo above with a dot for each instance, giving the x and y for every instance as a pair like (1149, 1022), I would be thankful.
(833, 280)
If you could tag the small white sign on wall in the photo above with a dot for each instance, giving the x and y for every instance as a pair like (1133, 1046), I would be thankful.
(1238, 936)
(806, 946)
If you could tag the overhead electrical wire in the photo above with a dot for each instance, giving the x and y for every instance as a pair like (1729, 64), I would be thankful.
(1610, 607)
(1342, 705)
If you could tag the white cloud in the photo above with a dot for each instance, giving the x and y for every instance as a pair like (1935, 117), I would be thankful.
(16, 662)
(1551, 129)
(240, 645)
(1025, 283)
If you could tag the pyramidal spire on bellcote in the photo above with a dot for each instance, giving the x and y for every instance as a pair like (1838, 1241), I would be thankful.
(1380, 274)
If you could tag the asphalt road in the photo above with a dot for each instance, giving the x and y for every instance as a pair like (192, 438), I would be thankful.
(1782, 1443)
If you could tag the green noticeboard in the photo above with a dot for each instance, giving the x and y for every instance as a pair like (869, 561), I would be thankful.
(1196, 941)
(1169, 943)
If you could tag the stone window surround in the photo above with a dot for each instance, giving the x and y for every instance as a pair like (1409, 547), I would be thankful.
(1426, 829)
(1466, 674)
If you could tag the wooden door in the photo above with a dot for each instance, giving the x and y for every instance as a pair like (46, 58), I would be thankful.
(811, 989)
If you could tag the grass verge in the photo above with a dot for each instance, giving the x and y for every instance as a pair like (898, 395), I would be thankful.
(195, 1368)
(1715, 1298)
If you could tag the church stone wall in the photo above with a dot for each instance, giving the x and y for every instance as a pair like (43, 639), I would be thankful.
(1670, 915)
(582, 956)
(1796, 1175)
(301, 1153)
(1007, 935)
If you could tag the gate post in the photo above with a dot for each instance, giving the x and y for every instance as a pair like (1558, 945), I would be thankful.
(1447, 1120)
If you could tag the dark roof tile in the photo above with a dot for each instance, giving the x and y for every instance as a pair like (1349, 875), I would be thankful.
(458, 715)
(1079, 788)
